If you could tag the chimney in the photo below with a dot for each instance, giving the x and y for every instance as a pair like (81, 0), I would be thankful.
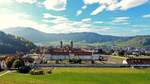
(71, 44)
(61, 44)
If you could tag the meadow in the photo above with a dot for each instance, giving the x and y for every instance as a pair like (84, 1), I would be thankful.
(82, 76)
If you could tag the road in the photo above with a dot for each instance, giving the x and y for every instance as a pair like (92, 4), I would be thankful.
(82, 65)
(91, 65)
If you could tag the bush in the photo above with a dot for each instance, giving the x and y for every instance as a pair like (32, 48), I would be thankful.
(50, 71)
(18, 63)
(9, 61)
(24, 69)
(75, 61)
(37, 72)
(1, 69)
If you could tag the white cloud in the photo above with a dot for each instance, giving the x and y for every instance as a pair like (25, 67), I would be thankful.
(79, 12)
(60, 23)
(126, 4)
(141, 26)
(59, 20)
(103, 28)
(23, 15)
(86, 20)
(84, 7)
(48, 15)
(55, 19)
(4, 2)
(57, 5)
(20, 20)
(121, 20)
(67, 28)
(98, 10)
(78, 26)
(39, 4)
(112, 5)
(146, 16)
(98, 22)
(26, 1)
(135, 30)
(46, 20)
(91, 1)
(64, 25)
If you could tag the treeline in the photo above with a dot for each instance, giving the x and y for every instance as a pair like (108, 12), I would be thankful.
(10, 44)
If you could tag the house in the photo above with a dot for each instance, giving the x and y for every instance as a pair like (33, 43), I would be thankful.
(64, 53)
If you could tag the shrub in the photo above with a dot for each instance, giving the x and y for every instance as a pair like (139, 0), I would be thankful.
(9, 61)
(75, 61)
(37, 72)
(18, 63)
(1, 69)
(24, 69)
(50, 71)
(57, 61)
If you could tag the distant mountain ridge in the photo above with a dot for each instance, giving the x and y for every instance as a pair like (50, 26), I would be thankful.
(37, 36)
(83, 37)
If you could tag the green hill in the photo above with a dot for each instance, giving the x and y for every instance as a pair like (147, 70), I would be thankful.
(10, 44)
(80, 38)
(137, 41)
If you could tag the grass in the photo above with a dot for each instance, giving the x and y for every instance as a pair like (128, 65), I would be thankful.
(2, 72)
(82, 76)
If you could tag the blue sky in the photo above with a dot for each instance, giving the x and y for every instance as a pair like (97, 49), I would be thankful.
(108, 17)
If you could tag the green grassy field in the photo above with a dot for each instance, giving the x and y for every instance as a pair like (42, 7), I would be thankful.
(82, 76)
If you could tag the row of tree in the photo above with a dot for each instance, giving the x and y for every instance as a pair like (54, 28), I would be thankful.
(16, 62)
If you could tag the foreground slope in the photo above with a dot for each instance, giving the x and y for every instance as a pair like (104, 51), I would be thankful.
(82, 76)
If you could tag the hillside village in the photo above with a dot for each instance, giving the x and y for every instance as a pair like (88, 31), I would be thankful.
(68, 54)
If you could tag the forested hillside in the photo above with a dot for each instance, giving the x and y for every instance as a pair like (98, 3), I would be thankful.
(11, 44)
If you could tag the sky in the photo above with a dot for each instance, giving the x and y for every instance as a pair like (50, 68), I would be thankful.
(106, 17)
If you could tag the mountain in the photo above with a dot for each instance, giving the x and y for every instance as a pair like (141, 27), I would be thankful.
(27, 33)
(82, 37)
(10, 44)
(138, 41)
(41, 37)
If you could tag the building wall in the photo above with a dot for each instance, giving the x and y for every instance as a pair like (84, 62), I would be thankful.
(67, 57)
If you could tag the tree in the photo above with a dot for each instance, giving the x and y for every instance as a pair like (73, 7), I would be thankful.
(0, 68)
(10, 44)
(18, 63)
(122, 53)
(9, 61)
(24, 69)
